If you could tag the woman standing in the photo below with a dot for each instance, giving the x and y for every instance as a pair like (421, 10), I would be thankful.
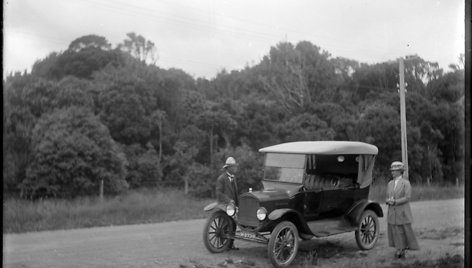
(400, 232)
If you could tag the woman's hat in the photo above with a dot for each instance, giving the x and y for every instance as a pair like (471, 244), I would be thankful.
(397, 165)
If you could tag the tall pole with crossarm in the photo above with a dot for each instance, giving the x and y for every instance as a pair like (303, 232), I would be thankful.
(403, 117)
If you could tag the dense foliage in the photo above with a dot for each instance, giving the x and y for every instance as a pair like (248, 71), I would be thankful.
(94, 113)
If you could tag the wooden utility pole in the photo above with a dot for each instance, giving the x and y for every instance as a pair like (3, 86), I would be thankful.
(403, 117)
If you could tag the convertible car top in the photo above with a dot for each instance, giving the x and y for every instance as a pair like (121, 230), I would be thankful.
(322, 147)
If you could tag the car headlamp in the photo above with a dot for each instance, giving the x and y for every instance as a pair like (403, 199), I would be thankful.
(261, 213)
(230, 209)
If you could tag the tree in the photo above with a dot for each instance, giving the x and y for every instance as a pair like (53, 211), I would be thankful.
(88, 41)
(182, 167)
(143, 169)
(216, 122)
(72, 152)
(159, 89)
(149, 167)
(140, 48)
(460, 65)
(125, 110)
(175, 129)
(447, 88)
(380, 125)
(338, 118)
(285, 79)
(18, 124)
(419, 72)
(88, 60)
(298, 76)
(258, 123)
(373, 80)
(41, 96)
(201, 180)
(46, 68)
(305, 127)
(448, 119)
(344, 68)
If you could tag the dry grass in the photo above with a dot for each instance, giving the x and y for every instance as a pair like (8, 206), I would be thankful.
(441, 234)
(447, 261)
(420, 192)
(145, 206)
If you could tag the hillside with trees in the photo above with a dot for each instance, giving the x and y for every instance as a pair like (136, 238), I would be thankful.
(97, 112)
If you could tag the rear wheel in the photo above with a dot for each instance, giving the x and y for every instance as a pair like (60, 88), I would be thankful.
(283, 244)
(217, 232)
(367, 232)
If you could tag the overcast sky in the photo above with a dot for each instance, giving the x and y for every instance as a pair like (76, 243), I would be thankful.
(202, 37)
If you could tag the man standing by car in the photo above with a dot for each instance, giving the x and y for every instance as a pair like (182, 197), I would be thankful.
(226, 187)
(400, 233)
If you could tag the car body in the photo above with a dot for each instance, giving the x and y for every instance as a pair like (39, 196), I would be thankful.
(311, 189)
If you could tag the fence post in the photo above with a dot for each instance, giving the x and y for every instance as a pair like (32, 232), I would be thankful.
(101, 190)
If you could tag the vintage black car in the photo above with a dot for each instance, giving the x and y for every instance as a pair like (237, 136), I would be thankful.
(311, 189)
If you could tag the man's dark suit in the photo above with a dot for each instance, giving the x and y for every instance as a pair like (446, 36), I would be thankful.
(226, 188)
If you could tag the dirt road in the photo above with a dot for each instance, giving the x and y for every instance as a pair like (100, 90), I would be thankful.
(439, 226)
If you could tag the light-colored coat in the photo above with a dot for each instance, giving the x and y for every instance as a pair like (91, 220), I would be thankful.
(400, 213)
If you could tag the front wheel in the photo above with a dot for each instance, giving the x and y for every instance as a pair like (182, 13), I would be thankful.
(283, 244)
(217, 232)
(367, 233)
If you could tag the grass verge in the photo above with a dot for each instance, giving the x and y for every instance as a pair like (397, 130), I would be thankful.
(378, 192)
(143, 206)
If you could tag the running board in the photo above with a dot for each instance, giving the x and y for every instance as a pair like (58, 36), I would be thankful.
(327, 227)
(253, 237)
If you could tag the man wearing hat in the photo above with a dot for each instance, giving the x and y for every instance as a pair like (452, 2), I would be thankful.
(226, 187)
(399, 217)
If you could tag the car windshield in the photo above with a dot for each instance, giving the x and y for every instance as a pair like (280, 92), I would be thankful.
(284, 167)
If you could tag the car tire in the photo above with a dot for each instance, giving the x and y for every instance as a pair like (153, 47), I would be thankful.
(283, 244)
(367, 232)
(216, 231)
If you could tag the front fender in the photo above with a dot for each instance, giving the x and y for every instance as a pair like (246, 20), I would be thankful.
(354, 214)
(215, 206)
(293, 216)
(278, 213)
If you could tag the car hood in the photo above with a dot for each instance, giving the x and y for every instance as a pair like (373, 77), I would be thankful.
(270, 194)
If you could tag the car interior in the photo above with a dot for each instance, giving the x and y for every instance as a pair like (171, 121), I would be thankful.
(328, 173)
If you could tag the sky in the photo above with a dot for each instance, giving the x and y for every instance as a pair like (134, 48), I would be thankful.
(204, 37)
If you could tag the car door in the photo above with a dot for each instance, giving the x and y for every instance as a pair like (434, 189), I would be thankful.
(335, 202)
(312, 204)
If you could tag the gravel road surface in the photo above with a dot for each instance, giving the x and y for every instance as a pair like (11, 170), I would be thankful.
(439, 226)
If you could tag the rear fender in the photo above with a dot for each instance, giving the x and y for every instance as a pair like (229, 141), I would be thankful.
(354, 214)
(215, 206)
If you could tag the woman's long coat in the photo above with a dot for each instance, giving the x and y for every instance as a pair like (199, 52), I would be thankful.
(400, 213)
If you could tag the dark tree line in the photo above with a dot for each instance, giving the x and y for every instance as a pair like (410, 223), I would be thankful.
(96, 113)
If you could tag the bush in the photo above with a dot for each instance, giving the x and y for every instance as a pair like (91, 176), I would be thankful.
(143, 166)
(72, 152)
(201, 180)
